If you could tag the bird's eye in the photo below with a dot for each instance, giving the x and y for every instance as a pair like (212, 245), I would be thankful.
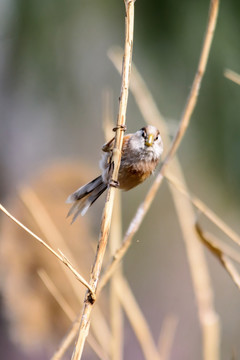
(157, 137)
(143, 133)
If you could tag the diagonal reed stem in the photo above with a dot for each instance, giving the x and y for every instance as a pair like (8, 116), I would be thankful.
(60, 256)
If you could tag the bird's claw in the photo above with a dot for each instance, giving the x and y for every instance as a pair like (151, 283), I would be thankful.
(122, 127)
(113, 183)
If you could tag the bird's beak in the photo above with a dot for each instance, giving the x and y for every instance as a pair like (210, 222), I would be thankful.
(149, 140)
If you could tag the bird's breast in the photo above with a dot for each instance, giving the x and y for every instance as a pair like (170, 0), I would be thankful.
(132, 175)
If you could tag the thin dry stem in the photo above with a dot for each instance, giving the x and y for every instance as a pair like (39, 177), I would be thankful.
(192, 99)
(191, 102)
(205, 210)
(70, 314)
(67, 341)
(202, 284)
(43, 219)
(101, 329)
(116, 314)
(140, 92)
(232, 271)
(101, 332)
(227, 264)
(56, 294)
(62, 259)
(167, 336)
(185, 212)
(50, 231)
(209, 320)
(116, 159)
(115, 237)
(137, 320)
(231, 75)
(117, 279)
(53, 291)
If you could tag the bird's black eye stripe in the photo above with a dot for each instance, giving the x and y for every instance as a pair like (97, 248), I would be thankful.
(144, 134)
(157, 137)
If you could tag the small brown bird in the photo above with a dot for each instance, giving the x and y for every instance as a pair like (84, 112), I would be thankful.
(141, 153)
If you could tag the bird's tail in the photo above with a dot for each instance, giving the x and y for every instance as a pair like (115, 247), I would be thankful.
(85, 196)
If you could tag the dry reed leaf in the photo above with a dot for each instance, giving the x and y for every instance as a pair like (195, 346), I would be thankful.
(233, 76)
(220, 254)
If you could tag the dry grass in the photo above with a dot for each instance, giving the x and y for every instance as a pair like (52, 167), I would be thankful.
(60, 256)
(201, 280)
(108, 342)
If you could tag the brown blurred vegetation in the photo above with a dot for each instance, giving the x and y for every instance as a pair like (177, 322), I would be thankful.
(36, 319)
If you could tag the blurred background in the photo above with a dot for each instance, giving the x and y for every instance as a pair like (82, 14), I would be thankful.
(54, 70)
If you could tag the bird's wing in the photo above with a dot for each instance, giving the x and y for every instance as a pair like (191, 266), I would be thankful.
(108, 146)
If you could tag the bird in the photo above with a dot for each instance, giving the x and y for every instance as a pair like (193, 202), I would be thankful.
(141, 152)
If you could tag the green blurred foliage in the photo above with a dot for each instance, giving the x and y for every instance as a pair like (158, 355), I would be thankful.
(168, 38)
